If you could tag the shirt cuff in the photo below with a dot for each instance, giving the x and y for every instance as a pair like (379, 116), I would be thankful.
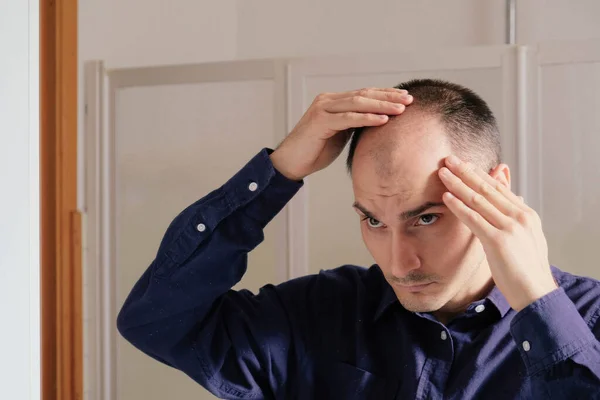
(256, 176)
(259, 189)
(549, 330)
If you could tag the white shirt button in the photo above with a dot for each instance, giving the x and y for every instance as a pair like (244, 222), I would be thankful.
(253, 186)
(526, 346)
(201, 227)
(479, 308)
(444, 335)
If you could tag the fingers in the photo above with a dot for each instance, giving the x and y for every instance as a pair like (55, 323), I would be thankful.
(500, 188)
(347, 120)
(367, 92)
(379, 103)
(359, 108)
(478, 202)
(499, 195)
(471, 218)
(388, 101)
(491, 200)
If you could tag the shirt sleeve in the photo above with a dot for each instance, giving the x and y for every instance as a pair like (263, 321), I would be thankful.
(182, 310)
(560, 349)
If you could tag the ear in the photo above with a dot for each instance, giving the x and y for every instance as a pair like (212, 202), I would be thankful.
(501, 173)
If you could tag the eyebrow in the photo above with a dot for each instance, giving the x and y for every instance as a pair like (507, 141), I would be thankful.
(406, 214)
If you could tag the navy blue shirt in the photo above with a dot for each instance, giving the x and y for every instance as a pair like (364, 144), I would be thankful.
(342, 334)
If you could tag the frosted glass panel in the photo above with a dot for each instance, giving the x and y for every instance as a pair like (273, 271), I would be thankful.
(570, 152)
(175, 144)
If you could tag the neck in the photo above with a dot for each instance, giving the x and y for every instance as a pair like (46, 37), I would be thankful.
(480, 285)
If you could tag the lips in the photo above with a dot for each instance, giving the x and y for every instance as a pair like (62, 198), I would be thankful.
(417, 288)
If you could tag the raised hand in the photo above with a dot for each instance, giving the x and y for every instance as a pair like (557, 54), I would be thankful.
(510, 231)
(323, 131)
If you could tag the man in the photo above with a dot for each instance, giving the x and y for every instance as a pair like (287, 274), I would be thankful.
(461, 304)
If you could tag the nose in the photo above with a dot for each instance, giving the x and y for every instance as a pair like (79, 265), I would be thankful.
(403, 257)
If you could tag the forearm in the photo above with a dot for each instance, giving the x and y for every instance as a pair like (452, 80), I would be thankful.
(559, 348)
(202, 256)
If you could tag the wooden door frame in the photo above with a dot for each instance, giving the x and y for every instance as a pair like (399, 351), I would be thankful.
(61, 274)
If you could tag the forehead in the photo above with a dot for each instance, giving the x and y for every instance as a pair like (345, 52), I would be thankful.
(401, 158)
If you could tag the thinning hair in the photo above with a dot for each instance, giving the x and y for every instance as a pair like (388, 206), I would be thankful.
(466, 118)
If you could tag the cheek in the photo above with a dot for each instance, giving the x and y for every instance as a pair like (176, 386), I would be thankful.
(445, 248)
(368, 237)
(458, 247)
(376, 243)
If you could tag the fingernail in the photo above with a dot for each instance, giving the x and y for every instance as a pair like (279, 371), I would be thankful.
(399, 106)
(445, 172)
(453, 160)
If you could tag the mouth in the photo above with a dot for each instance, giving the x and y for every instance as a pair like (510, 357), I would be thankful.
(416, 288)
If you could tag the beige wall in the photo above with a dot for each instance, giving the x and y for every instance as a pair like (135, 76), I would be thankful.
(149, 32)
(557, 20)
(273, 28)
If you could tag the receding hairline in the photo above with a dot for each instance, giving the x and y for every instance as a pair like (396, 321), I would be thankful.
(384, 147)
(468, 122)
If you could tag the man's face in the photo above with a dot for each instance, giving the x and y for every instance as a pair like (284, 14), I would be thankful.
(432, 260)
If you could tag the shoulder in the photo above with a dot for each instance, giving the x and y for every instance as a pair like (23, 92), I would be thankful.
(343, 279)
(334, 288)
(351, 275)
(583, 291)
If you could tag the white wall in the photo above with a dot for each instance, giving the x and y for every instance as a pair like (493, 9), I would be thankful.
(275, 28)
(149, 32)
(19, 202)
(557, 20)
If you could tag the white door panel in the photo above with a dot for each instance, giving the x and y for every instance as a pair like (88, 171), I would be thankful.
(569, 154)
(171, 144)
(169, 137)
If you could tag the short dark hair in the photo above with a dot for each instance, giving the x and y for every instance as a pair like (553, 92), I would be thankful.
(469, 123)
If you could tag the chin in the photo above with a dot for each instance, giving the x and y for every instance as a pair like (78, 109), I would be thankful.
(422, 309)
(422, 305)
(428, 300)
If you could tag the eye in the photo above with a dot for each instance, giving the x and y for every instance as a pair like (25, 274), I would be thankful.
(427, 219)
(372, 222)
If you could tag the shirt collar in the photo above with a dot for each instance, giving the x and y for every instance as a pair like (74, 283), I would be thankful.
(388, 297)
(497, 299)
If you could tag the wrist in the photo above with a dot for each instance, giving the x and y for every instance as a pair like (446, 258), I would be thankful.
(279, 164)
(531, 296)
